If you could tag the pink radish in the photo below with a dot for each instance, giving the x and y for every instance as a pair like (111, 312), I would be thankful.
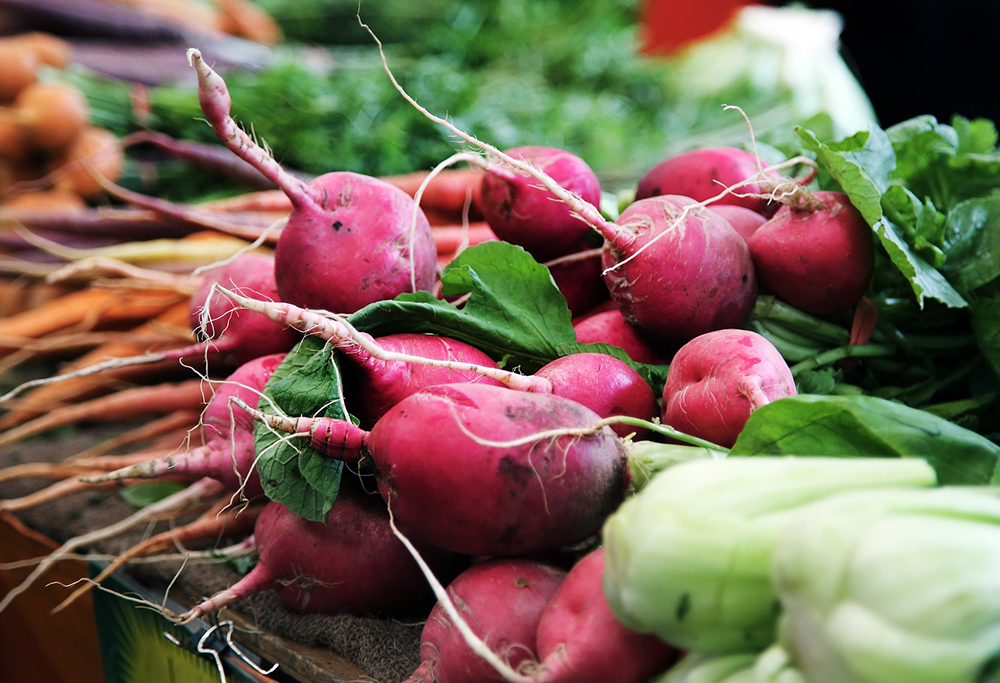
(581, 641)
(819, 259)
(391, 368)
(350, 239)
(744, 221)
(703, 173)
(502, 601)
(578, 277)
(469, 468)
(610, 327)
(352, 564)
(717, 379)
(228, 451)
(522, 213)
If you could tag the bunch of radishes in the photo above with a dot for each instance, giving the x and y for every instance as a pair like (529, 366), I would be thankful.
(474, 461)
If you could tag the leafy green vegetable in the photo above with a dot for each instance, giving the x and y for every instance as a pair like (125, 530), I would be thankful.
(292, 473)
(865, 426)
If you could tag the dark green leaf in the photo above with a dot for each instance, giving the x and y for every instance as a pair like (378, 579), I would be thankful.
(292, 473)
(146, 493)
(986, 326)
(972, 237)
(864, 426)
(514, 310)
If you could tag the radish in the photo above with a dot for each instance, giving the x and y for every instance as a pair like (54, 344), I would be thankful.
(449, 481)
(391, 368)
(610, 327)
(744, 221)
(717, 379)
(675, 270)
(522, 213)
(350, 239)
(502, 601)
(578, 277)
(819, 259)
(352, 564)
(702, 173)
(228, 451)
(581, 641)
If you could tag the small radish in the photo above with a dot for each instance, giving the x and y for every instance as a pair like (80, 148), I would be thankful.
(350, 239)
(578, 277)
(502, 601)
(352, 564)
(610, 327)
(581, 641)
(522, 213)
(717, 379)
(227, 433)
(819, 259)
(703, 173)
(468, 467)
(744, 221)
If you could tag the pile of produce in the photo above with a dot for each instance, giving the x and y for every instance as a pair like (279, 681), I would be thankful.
(734, 423)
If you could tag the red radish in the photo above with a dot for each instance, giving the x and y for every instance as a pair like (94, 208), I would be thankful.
(391, 368)
(744, 221)
(717, 379)
(352, 564)
(502, 601)
(581, 641)
(703, 173)
(610, 327)
(694, 275)
(237, 333)
(578, 277)
(350, 239)
(522, 213)
(819, 260)
(469, 468)
(228, 451)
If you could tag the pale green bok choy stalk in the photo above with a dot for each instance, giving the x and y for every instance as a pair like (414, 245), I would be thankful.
(887, 586)
(771, 666)
(689, 556)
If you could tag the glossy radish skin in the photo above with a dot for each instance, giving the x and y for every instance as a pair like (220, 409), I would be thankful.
(718, 379)
(818, 261)
(610, 327)
(522, 213)
(694, 276)
(352, 564)
(703, 173)
(502, 600)
(353, 248)
(241, 334)
(375, 385)
(743, 220)
(581, 641)
(604, 384)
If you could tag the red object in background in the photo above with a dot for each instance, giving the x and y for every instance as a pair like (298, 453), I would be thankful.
(669, 25)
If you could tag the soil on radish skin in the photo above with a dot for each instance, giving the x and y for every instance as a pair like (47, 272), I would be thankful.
(387, 648)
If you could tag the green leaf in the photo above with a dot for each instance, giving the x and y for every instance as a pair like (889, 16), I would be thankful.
(306, 383)
(865, 426)
(514, 310)
(863, 165)
(972, 237)
(146, 493)
(986, 327)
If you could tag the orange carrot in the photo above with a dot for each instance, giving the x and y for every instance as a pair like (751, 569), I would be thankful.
(262, 200)
(449, 190)
(168, 431)
(86, 307)
(77, 467)
(448, 238)
(122, 405)
(213, 523)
